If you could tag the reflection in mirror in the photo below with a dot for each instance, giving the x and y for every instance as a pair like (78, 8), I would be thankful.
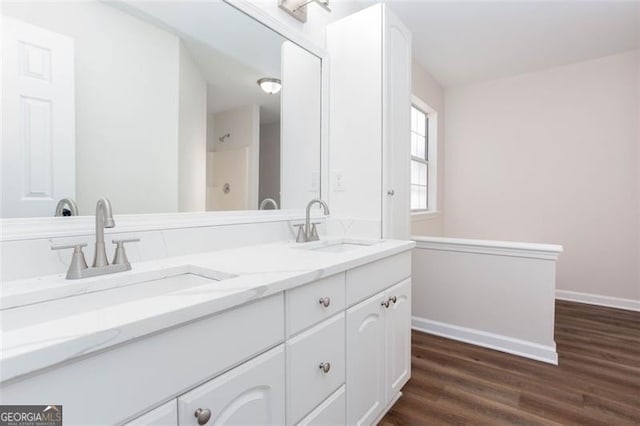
(156, 106)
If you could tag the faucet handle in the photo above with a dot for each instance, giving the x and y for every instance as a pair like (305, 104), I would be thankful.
(314, 231)
(78, 246)
(78, 262)
(126, 240)
(120, 257)
(300, 238)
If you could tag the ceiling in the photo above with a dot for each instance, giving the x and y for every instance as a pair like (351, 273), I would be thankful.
(462, 42)
(231, 50)
(232, 83)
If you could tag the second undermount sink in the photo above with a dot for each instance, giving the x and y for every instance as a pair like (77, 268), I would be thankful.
(137, 288)
(338, 246)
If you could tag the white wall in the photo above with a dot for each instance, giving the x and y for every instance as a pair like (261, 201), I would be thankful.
(490, 293)
(428, 90)
(552, 156)
(355, 132)
(192, 135)
(299, 127)
(269, 185)
(126, 116)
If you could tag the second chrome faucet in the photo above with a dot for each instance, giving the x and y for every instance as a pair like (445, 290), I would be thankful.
(308, 231)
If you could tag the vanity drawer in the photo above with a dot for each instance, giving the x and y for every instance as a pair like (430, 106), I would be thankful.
(332, 412)
(367, 280)
(304, 307)
(307, 383)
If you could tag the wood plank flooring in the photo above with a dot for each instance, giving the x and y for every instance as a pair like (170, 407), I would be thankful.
(597, 381)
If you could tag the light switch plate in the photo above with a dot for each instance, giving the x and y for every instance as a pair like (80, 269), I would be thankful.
(338, 181)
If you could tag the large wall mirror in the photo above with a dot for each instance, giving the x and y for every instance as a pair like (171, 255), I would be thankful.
(155, 105)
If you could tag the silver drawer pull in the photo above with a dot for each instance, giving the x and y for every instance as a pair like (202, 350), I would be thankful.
(325, 367)
(203, 416)
(325, 301)
(385, 303)
(393, 299)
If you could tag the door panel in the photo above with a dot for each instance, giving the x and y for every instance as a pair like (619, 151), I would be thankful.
(38, 132)
(396, 142)
(398, 338)
(365, 361)
(252, 393)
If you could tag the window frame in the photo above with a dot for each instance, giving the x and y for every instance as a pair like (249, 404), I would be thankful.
(422, 160)
(431, 158)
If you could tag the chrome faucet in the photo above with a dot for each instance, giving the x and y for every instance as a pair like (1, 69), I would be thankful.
(308, 231)
(70, 204)
(78, 267)
(267, 201)
(104, 219)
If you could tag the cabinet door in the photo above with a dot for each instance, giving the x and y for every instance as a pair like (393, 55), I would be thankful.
(164, 415)
(396, 139)
(398, 338)
(251, 394)
(365, 361)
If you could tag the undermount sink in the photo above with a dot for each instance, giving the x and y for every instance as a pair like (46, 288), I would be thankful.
(339, 246)
(136, 289)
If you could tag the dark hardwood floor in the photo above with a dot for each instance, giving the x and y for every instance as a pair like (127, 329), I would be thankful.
(597, 381)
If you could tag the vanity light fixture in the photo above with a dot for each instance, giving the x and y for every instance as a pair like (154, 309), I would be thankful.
(270, 85)
(298, 8)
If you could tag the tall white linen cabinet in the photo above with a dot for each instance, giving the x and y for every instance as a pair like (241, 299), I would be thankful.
(370, 107)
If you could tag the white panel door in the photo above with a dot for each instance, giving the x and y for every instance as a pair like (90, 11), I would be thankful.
(38, 132)
(164, 415)
(365, 361)
(396, 142)
(251, 394)
(398, 338)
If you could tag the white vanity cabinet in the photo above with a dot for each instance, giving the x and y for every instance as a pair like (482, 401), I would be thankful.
(335, 351)
(251, 394)
(366, 361)
(378, 338)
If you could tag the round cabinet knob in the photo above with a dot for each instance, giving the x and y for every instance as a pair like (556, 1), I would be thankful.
(384, 303)
(203, 416)
(325, 367)
(325, 301)
(391, 192)
(393, 299)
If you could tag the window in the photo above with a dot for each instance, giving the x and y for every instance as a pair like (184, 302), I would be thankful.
(419, 159)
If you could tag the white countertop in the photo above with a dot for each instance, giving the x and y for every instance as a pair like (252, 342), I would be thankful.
(49, 320)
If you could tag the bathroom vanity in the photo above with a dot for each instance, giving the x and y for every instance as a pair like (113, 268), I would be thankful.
(280, 333)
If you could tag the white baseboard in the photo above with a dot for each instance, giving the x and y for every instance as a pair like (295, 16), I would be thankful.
(498, 342)
(596, 299)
